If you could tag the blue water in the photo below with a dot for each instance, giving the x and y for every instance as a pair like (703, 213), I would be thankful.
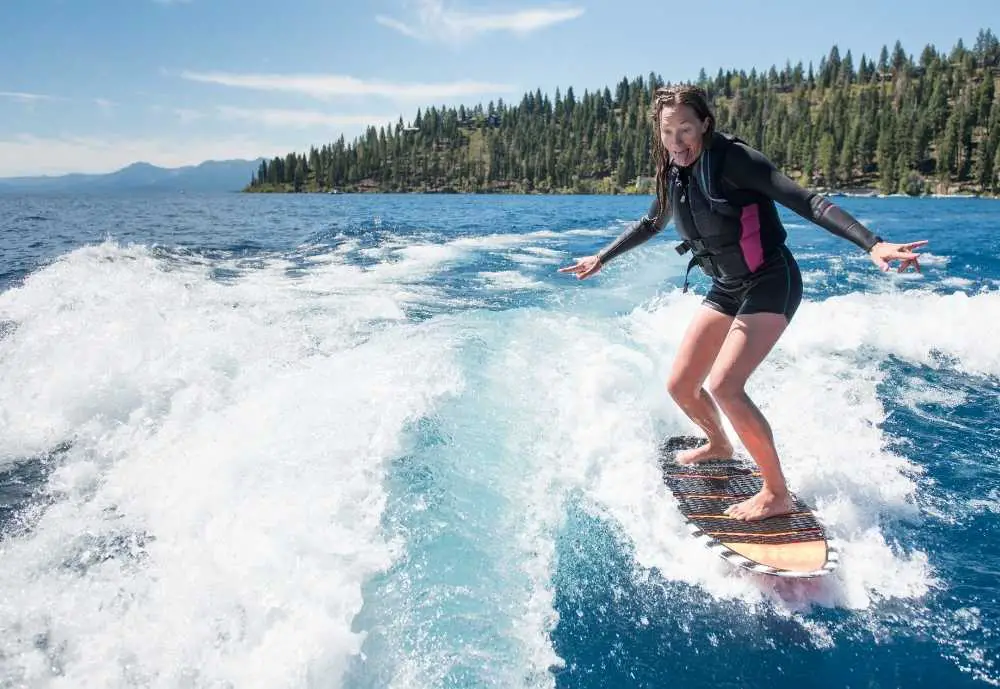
(378, 441)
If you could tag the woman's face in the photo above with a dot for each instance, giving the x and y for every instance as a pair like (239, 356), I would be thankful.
(682, 133)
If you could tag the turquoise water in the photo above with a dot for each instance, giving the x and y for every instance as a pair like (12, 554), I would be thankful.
(378, 441)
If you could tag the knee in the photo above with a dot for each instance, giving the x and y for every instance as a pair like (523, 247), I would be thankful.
(725, 389)
(682, 389)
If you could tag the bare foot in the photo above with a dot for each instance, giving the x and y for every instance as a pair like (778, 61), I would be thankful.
(761, 506)
(705, 452)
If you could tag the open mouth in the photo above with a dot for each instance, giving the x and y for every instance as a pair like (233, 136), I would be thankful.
(681, 156)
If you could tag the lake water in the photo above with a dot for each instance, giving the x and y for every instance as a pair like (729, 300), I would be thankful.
(378, 441)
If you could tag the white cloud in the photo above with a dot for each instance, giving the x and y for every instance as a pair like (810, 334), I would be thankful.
(331, 85)
(301, 118)
(398, 26)
(31, 98)
(31, 155)
(436, 22)
(22, 97)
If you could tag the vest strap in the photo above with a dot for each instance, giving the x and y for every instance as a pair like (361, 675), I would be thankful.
(691, 264)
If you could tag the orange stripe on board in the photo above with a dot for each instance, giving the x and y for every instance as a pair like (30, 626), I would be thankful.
(761, 535)
(709, 496)
(714, 478)
(726, 516)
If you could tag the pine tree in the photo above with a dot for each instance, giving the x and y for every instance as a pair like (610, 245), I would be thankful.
(948, 149)
(826, 160)
(899, 59)
(883, 60)
(886, 155)
(847, 74)
(846, 160)
(996, 172)
(988, 150)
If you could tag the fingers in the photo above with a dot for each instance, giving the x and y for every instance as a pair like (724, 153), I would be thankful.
(910, 246)
(581, 264)
(906, 250)
(904, 253)
(583, 268)
(905, 261)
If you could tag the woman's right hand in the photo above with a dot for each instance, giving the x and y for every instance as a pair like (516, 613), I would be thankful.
(584, 267)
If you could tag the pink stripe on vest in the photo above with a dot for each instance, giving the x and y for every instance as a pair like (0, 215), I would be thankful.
(750, 244)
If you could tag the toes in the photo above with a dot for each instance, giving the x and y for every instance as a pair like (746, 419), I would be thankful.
(744, 511)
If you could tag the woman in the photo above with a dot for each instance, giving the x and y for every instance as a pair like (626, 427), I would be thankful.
(721, 195)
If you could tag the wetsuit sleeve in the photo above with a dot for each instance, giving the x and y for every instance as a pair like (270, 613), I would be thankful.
(637, 233)
(746, 168)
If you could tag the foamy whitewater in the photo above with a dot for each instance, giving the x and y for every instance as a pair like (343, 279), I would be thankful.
(378, 441)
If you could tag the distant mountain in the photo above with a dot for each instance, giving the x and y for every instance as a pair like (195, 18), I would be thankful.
(212, 175)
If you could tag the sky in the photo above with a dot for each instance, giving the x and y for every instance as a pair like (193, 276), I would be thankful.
(94, 85)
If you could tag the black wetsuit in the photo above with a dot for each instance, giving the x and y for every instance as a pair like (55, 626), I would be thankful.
(724, 207)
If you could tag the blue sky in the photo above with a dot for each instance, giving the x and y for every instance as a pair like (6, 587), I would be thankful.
(93, 85)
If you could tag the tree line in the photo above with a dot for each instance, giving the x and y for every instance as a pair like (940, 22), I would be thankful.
(892, 124)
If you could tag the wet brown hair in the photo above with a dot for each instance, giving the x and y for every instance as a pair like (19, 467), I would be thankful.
(684, 94)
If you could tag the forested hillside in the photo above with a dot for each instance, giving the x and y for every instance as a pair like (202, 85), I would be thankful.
(893, 124)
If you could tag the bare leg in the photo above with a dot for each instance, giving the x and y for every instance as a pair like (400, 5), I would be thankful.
(750, 339)
(701, 344)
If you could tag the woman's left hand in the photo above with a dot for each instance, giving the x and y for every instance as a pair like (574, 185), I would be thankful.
(883, 252)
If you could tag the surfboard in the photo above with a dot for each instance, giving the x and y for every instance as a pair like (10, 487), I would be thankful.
(795, 545)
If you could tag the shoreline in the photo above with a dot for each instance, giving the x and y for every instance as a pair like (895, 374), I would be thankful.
(829, 193)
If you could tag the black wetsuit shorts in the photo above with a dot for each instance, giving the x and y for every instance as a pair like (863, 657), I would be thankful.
(775, 287)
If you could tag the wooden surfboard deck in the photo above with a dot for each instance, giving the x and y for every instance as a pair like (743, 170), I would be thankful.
(793, 545)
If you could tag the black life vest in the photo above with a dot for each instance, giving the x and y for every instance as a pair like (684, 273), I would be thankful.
(710, 224)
